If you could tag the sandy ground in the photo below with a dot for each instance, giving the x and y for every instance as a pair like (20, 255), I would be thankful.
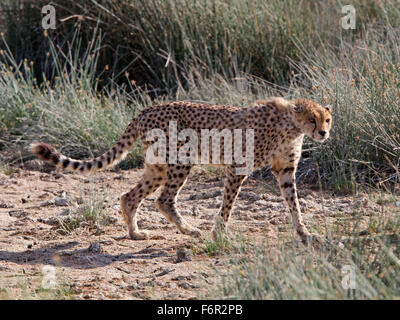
(98, 261)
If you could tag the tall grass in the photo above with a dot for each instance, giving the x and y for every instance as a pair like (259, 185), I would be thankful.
(70, 112)
(361, 82)
(366, 267)
(156, 40)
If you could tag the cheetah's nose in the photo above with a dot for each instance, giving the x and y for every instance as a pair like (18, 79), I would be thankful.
(322, 133)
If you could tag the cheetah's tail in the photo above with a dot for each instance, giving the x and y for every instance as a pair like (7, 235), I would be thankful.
(113, 156)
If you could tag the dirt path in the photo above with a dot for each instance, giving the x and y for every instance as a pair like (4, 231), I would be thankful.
(97, 261)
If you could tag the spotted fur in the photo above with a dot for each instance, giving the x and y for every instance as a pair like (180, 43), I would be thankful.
(279, 127)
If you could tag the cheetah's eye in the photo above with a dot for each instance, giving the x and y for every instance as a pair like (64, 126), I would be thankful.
(312, 120)
(328, 120)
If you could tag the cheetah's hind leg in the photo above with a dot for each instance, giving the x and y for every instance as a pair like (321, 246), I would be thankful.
(152, 179)
(166, 203)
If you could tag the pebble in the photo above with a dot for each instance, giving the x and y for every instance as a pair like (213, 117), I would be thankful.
(53, 221)
(183, 254)
(61, 202)
(18, 213)
(6, 205)
(47, 203)
(164, 272)
(186, 285)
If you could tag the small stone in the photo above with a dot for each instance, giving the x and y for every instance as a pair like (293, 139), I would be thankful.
(53, 221)
(47, 203)
(6, 205)
(183, 254)
(61, 202)
(186, 285)
(164, 272)
(18, 213)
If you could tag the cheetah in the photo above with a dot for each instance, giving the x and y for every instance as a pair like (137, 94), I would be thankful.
(278, 126)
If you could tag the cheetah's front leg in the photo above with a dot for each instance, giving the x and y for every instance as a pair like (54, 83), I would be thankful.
(232, 185)
(287, 183)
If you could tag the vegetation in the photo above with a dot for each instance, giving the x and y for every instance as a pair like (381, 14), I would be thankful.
(87, 210)
(363, 266)
(79, 85)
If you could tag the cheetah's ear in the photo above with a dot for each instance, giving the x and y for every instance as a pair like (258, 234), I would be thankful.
(329, 108)
(297, 108)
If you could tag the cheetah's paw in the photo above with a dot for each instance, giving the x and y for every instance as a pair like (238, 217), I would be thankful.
(190, 231)
(139, 235)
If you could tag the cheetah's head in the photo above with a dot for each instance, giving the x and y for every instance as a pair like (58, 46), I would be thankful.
(314, 120)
